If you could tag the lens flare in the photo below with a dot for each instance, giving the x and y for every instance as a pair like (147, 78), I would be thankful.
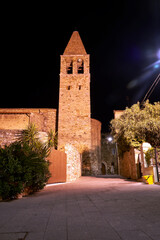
(158, 54)
(156, 66)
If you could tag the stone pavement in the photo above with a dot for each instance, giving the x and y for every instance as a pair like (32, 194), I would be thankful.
(88, 209)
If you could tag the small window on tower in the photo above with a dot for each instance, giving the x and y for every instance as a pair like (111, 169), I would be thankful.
(68, 87)
(70, 67)
(80, 87)
(80, 66)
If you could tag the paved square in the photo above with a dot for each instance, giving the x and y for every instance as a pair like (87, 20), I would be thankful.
(88, 209)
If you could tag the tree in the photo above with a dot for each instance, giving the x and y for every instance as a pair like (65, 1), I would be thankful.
(150, 155)
(137, 125)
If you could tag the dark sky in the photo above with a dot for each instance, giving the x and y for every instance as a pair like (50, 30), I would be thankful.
(122, 38)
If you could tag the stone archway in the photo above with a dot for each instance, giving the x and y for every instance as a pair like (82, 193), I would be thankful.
(103, 168)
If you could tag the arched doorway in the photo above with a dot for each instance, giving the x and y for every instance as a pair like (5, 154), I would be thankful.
(104, 168)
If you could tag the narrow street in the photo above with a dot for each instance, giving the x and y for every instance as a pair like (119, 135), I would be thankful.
(89, 209)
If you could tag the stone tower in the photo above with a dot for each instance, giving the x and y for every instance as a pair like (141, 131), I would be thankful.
(74, 119)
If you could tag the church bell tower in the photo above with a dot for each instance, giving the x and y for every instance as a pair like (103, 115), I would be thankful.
(74, 119)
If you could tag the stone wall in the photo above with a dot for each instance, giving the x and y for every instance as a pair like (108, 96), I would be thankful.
(74, 122)
(73, 163)
(95, 147)
(128, 167)
(8, 136)
(44, 120)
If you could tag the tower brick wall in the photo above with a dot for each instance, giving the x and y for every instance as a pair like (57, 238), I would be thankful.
(74, 122)
(75, 125)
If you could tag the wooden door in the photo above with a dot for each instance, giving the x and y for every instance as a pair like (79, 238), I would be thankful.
(57, 168)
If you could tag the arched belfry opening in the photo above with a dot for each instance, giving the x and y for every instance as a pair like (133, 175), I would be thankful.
(80, 66)
(69, 67)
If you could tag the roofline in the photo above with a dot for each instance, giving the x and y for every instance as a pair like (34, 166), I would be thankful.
(25, 110)
(118, 110)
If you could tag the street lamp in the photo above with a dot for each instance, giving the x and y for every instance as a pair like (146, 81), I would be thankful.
(109, 139)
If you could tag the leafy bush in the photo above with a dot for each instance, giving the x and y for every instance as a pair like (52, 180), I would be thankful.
(10, 173)
(23, 165)
(150, 154)
(35, 171)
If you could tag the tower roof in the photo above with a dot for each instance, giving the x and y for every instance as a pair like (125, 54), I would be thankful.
(75, 45)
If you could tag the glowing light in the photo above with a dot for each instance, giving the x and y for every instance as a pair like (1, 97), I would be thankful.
(109, 139)
(156, 66)
(158, 54)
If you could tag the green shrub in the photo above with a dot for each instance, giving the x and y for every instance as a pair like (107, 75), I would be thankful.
(35, 172)
(23, 165)
(10, 173)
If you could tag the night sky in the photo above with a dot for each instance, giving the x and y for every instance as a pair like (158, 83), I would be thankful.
(122, 38)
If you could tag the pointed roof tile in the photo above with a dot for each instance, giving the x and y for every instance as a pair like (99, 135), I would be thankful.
(75, 45)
